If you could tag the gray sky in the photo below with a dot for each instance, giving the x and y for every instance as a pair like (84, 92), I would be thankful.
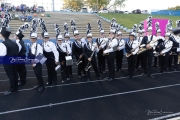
(130, 4)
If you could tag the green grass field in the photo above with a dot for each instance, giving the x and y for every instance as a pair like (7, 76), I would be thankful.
(128, 20)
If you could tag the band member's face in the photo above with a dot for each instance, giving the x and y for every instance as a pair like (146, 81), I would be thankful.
(16, 37)
(111, 35)
(158, 34)
(66, 38)
(33, 40)
(59, 41)
(46, 39)
(76, 37)
(102, 35)
(149, 32)
(89, 39)
(119, 36)
(131, 37)
(166, 37)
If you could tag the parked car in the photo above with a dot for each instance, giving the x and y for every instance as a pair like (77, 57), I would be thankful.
(93, 11)
(84, 10)
(41, 8)
(103, 11)
(126, 12)
(65, 10)
(118, 11)
(137, 11)
(144, 12)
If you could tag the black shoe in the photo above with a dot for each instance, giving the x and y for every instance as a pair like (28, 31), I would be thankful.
(9, 92)
(79, 76)
(117, 70)
(48, 84)
(99, 78)
(55, 83)
(21, 83)
(174, 69)
(88, 79)
(41, 88)
(110, 79)
(106, 78)
(144, 74)
(63, 81)
(130, 77)
(151, 76)
(83, 75)
(160, 71)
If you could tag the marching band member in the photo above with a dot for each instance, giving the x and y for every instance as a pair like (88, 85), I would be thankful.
(9, 48)
(52, 55)
(34, 51)
(67, 40)
(148, 55)
(101, 57)
(111, 47)
(160, 40)
(64, 50)
(120, 51)
(164, 49)
(89, 54)
(139, 57)
(77, 50)
(21, 68)
(132, 48)
(174, 53)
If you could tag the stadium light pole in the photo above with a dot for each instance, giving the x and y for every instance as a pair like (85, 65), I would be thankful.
(53, 5)
(97, 6)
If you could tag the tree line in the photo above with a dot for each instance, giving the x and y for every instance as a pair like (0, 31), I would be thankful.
(94, 4)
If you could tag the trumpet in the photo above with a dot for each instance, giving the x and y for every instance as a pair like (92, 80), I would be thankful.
(88, 66)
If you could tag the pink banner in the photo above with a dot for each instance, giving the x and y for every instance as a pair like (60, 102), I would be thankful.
(162, 24)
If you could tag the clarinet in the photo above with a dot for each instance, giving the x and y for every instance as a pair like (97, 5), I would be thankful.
(88, 66)
(79, 60)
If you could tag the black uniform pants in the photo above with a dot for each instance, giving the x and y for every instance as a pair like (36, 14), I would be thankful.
(38, 73)
(139, 60)
(119, 58)
(81, 67)
(94, 65)
(64, 71)
(11, 71)
(110, 61)
(21, 69)
(131, 64)
(147, 61)
(171, 58)
(101, 61)
(52, 74)
(163, 61)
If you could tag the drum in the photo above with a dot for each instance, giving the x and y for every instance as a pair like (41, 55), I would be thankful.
(69, 60)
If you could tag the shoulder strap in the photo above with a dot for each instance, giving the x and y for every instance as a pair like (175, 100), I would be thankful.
(36, 49)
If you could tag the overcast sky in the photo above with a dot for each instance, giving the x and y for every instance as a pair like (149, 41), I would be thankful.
(130, 4)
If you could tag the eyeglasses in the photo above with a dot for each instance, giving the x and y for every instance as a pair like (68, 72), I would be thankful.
(46, 37)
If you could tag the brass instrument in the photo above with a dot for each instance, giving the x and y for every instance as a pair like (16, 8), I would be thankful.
(129, 54)
(106, 48)
(88, 66)
(158, 54)
(141, 50)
